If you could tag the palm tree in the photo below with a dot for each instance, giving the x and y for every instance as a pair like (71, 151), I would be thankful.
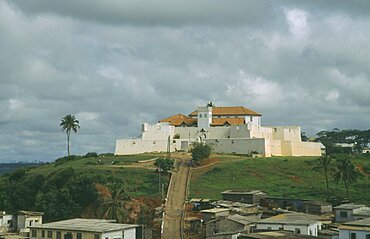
(69, 123)
(346, 172)
(324, 166)
(112, 202)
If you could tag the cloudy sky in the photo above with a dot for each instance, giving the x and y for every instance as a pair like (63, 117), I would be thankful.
(117, 63)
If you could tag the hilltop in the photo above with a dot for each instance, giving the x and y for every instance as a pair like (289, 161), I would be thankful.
(279, 176)
(71, 186)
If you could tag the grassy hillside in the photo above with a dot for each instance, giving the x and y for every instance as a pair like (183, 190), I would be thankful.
(279, 176)
(70, 187)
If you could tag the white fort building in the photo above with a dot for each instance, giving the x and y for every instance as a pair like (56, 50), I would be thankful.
(226, 129)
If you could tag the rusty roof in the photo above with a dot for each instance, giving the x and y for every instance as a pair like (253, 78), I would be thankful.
(179, 119)
(231, 110)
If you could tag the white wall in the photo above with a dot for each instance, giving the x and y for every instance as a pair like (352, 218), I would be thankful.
(292, 133)
(346, 234)
(238, 146)
(159, 131)
(130, 233)
(138, 146)
(204, 117)
(294, 148)
(311, 229)
(255, 120)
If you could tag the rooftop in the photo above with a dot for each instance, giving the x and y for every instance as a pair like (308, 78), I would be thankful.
(246, 192)
(231, 110)
(86, 225)
(349, 206)
(359, 225)
(295, 218)
(362, 222)
(215, 210)
(30, 213)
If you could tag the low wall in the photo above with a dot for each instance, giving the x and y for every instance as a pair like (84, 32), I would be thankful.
(293, 148)
(138, 146)
(238, 146)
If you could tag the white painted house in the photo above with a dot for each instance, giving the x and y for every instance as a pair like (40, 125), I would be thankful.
(359, 229)
(86, 229)
(234, 129)
(350, 212)
(298, 223)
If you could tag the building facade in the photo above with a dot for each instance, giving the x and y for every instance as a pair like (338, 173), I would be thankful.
(86, 229)
(226, 129)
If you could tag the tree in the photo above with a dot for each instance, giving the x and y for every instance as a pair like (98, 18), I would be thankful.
(324, 166)
(200, 151)
(112, 202)
(69, 123)
(164, 164)
(346, 172)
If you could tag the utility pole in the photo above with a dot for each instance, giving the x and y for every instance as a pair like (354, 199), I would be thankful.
(169, 147)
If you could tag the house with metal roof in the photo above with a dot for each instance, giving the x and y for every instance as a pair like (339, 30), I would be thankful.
(359, 229)
(79, 228)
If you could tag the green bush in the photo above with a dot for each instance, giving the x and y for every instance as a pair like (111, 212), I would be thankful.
(200, 151)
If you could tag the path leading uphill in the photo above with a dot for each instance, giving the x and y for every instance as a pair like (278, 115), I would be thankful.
(175, 204)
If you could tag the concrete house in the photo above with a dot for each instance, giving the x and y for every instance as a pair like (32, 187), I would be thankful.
(299, 223)
(234, 129)
(25, 219)
(359, 229)
(86, 229)
(214, 213)
(7, 222)
(227, 227)
(317, 207)
(350, 212)
(250, 197)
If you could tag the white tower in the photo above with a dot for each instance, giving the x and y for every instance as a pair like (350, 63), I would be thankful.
(204, 117)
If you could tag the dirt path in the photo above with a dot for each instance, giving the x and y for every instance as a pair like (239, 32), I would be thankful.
(174, 207)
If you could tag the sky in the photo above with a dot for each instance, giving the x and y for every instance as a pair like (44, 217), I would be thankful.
(117, 63)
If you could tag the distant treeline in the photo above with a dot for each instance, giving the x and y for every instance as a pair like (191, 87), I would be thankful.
(11, 167)
(359, 138)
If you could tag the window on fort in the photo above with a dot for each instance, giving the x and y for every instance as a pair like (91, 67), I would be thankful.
(50, 234)
(343, 214)
(34, 233)
(96, 236)
(59, 235)
(353, 235)
(43, 233)
(79, 235)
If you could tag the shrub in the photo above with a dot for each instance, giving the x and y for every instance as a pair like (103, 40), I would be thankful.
(200, 151)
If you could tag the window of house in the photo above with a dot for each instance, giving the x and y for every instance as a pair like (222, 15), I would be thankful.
(368, 236)
(297, 231)
(50, 234)
(96, 236)
(200, 115)
(34, 233)
(353, 235)
(343, 214)
(79, 235)
(59, 235)
(106, 237)
(251, 118)
(269, 228)
(43, 233)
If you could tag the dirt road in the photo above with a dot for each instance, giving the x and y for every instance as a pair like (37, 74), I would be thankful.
(175, 201)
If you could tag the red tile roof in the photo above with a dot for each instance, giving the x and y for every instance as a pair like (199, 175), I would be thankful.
(225, 121)
(179, 119)
(232, 110)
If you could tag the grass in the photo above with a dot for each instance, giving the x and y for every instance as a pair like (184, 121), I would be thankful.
(138, 181)
(279, 176)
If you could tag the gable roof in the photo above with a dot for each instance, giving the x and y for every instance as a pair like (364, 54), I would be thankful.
(179, 119)
(225, 121)
(230, 110)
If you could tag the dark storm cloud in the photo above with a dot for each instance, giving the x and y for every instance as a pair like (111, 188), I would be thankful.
(298, 63)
